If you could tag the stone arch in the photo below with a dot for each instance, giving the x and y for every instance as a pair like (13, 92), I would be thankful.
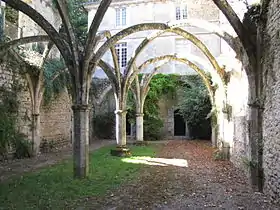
(201, 73)
(188, 36)
(164, 28)
(206, 79)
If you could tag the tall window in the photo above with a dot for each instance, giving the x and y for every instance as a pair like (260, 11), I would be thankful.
(121, 16)
(121, 50)
(181, 12)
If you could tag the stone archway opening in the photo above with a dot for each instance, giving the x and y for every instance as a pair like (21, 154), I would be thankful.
(180, 126)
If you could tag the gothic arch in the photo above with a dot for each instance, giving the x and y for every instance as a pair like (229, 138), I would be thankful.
(168, 58)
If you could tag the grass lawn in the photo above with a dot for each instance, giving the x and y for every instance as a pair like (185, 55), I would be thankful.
(55, 188)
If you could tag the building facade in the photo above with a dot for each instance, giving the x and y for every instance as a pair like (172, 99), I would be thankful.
(124, 13)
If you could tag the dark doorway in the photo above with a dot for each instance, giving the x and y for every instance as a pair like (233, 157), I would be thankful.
(128, 127)
(179, 124)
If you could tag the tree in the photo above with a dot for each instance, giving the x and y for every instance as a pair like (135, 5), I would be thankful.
(194, 105)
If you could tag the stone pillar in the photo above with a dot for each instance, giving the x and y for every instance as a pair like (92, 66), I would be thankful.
(121, 127)
(139, 127)
(36, 133)
(121, 150)
(81, 140)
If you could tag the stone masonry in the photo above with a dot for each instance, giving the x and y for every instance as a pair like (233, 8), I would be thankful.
(271, 116)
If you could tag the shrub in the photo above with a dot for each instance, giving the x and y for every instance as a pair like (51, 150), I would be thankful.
(194, 105)
(103, 125)
(22, 147)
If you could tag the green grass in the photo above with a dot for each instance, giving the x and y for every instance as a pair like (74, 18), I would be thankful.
(55, 188)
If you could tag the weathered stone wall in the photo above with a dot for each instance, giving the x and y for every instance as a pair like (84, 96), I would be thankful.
(8, 78)
(56, 120)
(271, 115)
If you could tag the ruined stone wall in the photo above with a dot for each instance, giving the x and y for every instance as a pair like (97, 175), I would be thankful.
(56, 120)
(271, 115)
(8, 78)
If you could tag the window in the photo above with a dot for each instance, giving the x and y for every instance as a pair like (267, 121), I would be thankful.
(121, 16)
(121, 50)
(181, 12)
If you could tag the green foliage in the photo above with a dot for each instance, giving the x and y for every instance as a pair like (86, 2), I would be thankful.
(55, 188)
(22, 147)
(56, 79)
(10, 138)
(78, 18)
(194, 105)
(160, 85)
(11, 15)
(103, 125)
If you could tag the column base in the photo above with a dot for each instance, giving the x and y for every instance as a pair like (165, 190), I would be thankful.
(121, 151)
(141, 143)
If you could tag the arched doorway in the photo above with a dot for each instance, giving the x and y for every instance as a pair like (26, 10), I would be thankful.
(179, 124)
(128, 126)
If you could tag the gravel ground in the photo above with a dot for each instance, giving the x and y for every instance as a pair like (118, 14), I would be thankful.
(203, 184)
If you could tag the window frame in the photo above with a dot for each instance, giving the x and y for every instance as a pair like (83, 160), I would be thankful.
(121, 16)
(181, 12)
(121, 51)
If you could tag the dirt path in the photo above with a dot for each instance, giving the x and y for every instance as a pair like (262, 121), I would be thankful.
(18, 167)
(203, 184)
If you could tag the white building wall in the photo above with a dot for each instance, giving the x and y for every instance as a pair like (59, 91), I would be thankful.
(144, 11)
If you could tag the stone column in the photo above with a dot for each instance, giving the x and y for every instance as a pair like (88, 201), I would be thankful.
(121, 127)
(139, 127)
(81, 140)
(36, 134)
(121, 150)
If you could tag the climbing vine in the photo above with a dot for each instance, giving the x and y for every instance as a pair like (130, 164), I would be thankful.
(11, 140)
(56, 79)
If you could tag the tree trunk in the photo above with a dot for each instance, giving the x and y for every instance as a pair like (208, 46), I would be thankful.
(81, 140)
(139, 127)
(121, 127)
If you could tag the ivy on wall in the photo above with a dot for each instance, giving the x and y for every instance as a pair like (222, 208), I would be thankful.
(11, 140)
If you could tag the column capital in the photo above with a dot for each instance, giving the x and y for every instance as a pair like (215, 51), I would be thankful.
(139, 114)
(119, 111)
